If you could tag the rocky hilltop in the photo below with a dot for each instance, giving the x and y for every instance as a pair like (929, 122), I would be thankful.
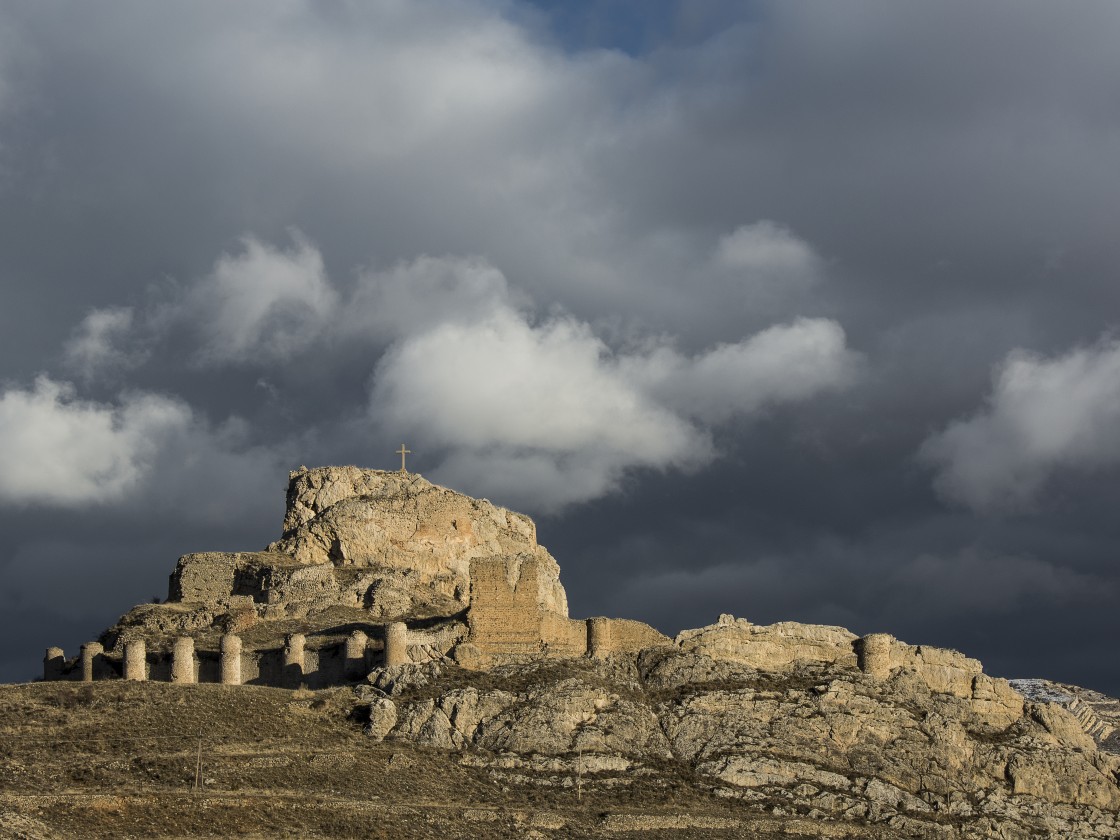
(415, 541)
(360, 549)
(784, 720)
(445, 626)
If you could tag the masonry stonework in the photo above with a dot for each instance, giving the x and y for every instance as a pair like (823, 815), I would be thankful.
(295, 659)
(182, 661)
(54, 662)
(356, 666)
(386, 568)
(506, 620)
(598, 637)
(874, 652)
(396, 644)
(231, 659)
(624, 635)
(90, 657)
(372, 568)
(135, 660)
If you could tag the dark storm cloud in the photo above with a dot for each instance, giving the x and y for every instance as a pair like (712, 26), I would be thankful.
(789, 310)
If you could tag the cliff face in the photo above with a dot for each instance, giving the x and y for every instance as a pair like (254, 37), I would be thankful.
(358, 547)
(420, 538)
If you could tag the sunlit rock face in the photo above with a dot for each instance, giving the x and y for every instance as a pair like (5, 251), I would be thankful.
(360, 549)
(773, 647)
(798, 731)
(420, 538)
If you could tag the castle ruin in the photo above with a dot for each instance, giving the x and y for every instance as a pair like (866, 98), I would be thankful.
(379, 569)
(373, 568)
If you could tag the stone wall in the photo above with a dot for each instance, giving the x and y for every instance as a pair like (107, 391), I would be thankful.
(621, 635)
(504, 623)
(291, 666)
(209, 577)
(505, 616)
(361, 546)
(506, 620)
(231, 580)
(562, 636)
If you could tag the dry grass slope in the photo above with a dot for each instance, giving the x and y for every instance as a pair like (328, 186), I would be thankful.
(118, 760)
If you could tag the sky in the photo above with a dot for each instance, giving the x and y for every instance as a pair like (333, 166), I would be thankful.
(792, 310)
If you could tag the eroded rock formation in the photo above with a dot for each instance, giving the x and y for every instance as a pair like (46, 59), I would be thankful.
(416, 540)
(363, 551)
(780, 719)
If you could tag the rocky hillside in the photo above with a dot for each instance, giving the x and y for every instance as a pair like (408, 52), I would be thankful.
(509, 719)
(359, 548)
(671, 743)
(814, 741)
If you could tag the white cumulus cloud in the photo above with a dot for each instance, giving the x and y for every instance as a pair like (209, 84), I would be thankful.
(783, 363)
(544, 410)
(553, 387)
(506, 398)
(1043, 415)
(63, 451)
(261, 304)
(58, 449)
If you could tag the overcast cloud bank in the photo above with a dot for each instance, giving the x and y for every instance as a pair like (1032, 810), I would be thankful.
(467, 365)
(737, 273)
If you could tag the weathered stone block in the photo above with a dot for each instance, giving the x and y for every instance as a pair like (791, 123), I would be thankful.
(54, 661)
(396, 644)
(92, 653)
(182, 661)
(231, 660)
(135, 660)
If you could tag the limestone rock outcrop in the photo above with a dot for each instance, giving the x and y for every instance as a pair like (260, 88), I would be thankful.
(372, 567)
(810, 735)
(1098, 714)
(360, 549)
(774, 647)
(419, 538)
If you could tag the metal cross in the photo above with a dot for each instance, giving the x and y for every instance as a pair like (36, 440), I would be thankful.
(402, 452)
